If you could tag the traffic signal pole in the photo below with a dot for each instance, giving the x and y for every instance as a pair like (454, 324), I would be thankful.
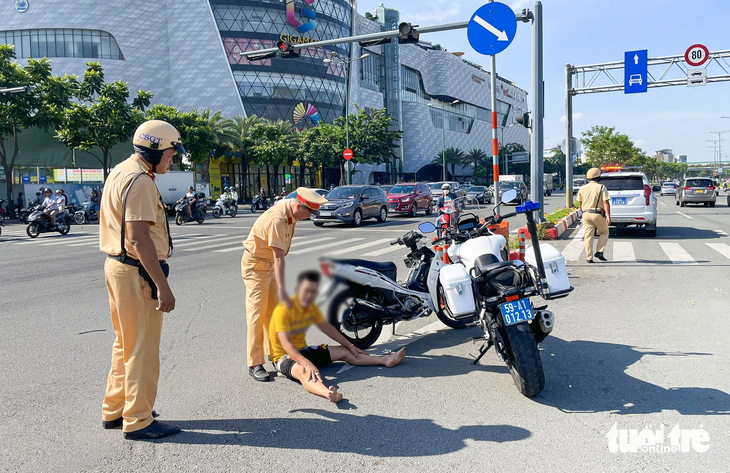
(537, 165)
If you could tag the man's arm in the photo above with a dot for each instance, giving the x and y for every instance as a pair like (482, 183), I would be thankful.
(607, 208)
(139, 236)
(309, 368)
(329, 330)
(279, 274)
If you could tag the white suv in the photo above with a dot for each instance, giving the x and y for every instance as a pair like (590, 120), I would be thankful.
(632, 200)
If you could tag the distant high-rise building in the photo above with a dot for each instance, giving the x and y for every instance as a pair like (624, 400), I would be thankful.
(665, 155)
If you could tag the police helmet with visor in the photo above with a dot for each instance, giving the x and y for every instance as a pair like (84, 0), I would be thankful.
(153, 138)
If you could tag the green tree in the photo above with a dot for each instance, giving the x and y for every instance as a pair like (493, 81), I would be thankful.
(239, 140)
(372, 139)
(454, 157)
(42, 106)
(273, 147)
(101, 117)
(606, 146)
(480, 163)
(196, 132)
(322, 146)
(509, 149)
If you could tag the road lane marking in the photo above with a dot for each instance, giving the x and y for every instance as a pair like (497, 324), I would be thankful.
(199, 240)
(387, 249)
(684, 215)
(226, 250)
(309, 250)
(623, 252)
(721, 248)
(662, 203)
(93, 243)
(677, 254)
(359, 247)
(84, 239)
(575, 248)
(309, 242)
(218, 245)
(721, 233)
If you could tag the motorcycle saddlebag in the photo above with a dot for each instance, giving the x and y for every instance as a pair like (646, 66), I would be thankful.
(458, 292)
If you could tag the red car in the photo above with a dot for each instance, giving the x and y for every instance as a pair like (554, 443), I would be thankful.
(409, 198)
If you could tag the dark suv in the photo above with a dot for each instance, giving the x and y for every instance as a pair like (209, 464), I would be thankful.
(409, 198)
(353, 204)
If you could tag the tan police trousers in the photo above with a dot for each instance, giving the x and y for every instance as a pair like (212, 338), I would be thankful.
(132, 384)
(262, 296)
(591, 222)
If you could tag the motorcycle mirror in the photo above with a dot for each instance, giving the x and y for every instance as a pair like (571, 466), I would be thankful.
(508, 196)
(427, 227)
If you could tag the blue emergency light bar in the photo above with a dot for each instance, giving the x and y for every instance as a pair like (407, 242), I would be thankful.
(528, 206)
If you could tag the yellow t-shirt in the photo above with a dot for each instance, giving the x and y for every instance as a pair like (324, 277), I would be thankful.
(295, 321)
(143, 204)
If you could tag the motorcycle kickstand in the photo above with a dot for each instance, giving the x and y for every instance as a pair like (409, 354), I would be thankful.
(394, 328)
(483, 351)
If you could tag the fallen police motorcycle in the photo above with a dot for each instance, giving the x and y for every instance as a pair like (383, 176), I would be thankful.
(224, 206)
(198, 211)
(502, 291)
(364, 295)
(40, 222)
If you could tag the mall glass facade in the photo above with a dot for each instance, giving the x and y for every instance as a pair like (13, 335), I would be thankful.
(272, 88)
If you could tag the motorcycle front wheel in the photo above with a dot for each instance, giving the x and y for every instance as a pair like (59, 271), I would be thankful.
(32, 230)
(216, 212)
(80, 218)
(362, 335)
(201, 219)
(524, 364)
(64, 230)
(179, 218)
(253, 208)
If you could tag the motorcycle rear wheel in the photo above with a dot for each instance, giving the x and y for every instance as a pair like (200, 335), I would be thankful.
(525, 364)
(80, 219)
(233, 211)
(338, 306)
(65, 230)
(201, 219)
(32, 230)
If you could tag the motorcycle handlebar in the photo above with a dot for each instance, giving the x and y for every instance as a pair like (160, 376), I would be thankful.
(395, 242)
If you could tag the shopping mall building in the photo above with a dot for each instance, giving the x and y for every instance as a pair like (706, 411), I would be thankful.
(187, 52)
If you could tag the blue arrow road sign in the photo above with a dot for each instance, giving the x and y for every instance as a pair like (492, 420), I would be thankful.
(635, 71)
(492, 28)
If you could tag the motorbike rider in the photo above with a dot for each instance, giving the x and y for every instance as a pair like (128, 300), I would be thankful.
(61, 199)
(234, 195)
(262, 199)
(95, 200)
(192, 200)
(447, 201)
(39, 196)
(51, 207)
(283, 193)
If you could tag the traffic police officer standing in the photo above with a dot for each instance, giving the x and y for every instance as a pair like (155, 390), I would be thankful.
(133, 231)
(593, 198)
(262, 269)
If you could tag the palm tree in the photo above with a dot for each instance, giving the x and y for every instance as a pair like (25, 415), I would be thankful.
(454, 157)
(217, 124)
(237, 136)
(477, 159)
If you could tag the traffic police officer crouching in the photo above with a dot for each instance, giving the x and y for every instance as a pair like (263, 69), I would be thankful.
(593, 198)
(262, 269)
(134, 232)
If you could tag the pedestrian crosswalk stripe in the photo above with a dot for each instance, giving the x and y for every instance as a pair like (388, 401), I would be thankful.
(309, 249)
(721, 248)
(309, 242)
(197, 241)
(226, 250)
(721, 233)
(359, 247)
(218, 245)
(677, 254)
(575, 248)
(623, 252)
(72, 240)
(87, 243)
(387, 249)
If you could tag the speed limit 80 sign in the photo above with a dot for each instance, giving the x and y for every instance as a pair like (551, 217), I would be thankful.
(696, 55)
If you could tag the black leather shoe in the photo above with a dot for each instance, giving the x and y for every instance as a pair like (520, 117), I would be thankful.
(259, 373)
(600, 256)
(155, 430)
(590, 261)
(113, 424)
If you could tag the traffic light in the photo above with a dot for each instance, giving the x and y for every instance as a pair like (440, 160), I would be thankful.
(524, 120)
(406, 33)
(286, 50)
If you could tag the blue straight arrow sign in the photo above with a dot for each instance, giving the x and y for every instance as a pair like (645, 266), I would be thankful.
(636, 71)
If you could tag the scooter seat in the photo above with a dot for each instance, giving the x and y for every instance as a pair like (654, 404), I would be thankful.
(486, 263)
(388, 269)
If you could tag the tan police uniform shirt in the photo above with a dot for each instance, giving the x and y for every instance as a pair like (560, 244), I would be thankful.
(273, 229)
(143, 205)
(592, 195)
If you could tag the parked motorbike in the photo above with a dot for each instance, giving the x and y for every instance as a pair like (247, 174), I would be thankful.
(258, 204)
(511, 323)
(85, 214)
(223, 206)
(40, 222)
(199, 211)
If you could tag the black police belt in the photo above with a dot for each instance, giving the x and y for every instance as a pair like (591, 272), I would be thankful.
(124, 258)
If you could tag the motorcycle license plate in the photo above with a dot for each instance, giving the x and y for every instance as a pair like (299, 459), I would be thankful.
(618, 201)
(516, 311)
(325, 214)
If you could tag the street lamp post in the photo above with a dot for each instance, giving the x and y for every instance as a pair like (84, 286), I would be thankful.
(719, 142)
(346, 64)
(443, 136)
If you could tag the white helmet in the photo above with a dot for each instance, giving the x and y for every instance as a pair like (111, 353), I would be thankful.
(446, 186)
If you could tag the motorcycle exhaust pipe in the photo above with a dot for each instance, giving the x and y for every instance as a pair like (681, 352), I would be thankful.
(542, 325)
(360, 306)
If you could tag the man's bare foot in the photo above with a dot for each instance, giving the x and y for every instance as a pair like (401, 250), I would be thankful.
(334, 395)
(395, 358)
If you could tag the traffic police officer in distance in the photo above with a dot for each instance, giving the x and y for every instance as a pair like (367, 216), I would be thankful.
(593, 198)
(262, 269)
(133, 231)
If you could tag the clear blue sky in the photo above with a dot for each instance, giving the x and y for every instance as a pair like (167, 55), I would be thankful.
(595, 31)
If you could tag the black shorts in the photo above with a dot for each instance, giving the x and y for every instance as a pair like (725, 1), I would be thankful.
(319, 356)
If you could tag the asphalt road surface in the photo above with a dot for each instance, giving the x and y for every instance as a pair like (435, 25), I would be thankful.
(641, 343)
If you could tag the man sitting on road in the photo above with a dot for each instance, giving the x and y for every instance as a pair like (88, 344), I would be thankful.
(295, 360)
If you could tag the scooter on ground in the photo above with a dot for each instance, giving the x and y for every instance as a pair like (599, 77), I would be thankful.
(40, 222)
